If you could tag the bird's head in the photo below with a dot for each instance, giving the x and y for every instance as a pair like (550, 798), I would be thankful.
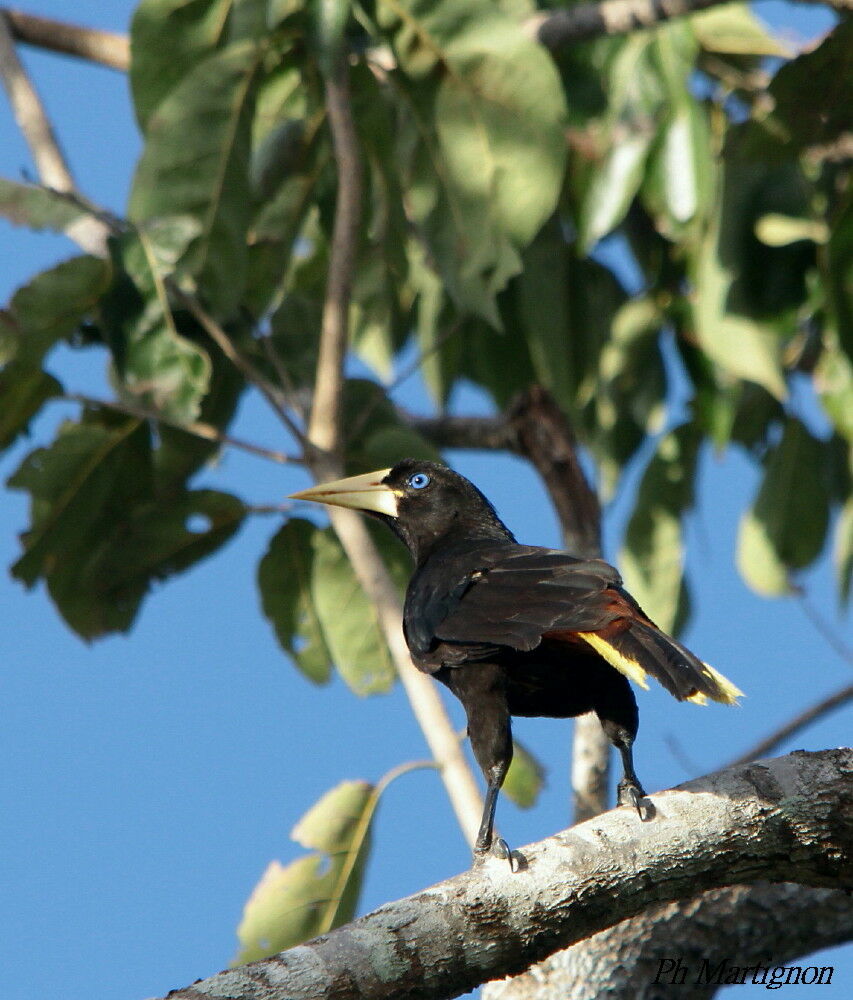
(422, 502)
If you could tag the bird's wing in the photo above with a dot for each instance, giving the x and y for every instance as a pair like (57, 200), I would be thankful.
(529, 594)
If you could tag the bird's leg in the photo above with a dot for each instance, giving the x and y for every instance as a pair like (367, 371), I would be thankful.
(485, 837)
(617, 710)
(629, 790)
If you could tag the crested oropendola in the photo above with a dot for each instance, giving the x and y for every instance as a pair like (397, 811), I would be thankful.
(517, 629)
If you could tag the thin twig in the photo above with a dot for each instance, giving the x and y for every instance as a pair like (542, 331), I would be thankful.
(825, 629)
(106, 48)
(778, 736)
(89, 233)
(197, 428)
(217, 334)
(327, 407)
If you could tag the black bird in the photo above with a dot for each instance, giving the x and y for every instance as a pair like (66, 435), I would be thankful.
(517, 629)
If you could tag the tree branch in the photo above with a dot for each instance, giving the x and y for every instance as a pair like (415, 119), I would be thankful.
(324, 459)
(104, 47)
(620, 17)
(805, 718)
(88, 232)
(197, 428)
(763, 924)
(783, 819)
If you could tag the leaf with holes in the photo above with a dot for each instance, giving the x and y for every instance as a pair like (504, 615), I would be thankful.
(99, 536)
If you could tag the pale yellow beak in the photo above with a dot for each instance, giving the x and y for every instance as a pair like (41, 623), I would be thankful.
(365, 492)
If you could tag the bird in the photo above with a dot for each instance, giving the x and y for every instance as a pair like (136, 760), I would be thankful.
(518, 630)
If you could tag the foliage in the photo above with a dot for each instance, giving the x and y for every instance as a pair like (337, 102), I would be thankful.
(493, 172)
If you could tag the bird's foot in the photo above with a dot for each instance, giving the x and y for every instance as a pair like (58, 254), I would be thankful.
(631, 794)
(500, 849)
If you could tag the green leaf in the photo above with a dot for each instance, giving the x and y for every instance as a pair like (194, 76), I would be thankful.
(284, 579)
(525, 777)
(635, 109)
(376, 437)
(833, 377)
(813, 93)
(786, 526)
(23, 390)
(51, 306)
(652, 558)
(168, 38)
(99, 537)
(37, 207)
(733, 29)
(543, 311)
(330, 21)
(741, 345)
(313, 894)
(349, 620)
(196, 163)
(155, 366)
(484, 144)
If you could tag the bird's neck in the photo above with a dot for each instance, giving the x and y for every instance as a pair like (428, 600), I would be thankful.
(460, 532)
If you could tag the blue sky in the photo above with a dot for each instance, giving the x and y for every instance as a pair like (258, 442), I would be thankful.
(149, 779)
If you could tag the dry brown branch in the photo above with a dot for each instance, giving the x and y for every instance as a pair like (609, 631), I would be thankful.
(776, 821)
(104, 47)
(89, 233)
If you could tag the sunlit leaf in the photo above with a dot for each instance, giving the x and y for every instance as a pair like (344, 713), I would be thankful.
(635, 109)
(733, 29)
(485, 138)
(320, 891)
(284, 580)
(525, 777)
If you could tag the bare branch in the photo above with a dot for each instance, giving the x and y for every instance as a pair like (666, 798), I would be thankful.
(805, 718)
(620, 17)
(89, 233)
(104, 47)
(779, 820)
(324, 457)
(197, 428)
(324, 426)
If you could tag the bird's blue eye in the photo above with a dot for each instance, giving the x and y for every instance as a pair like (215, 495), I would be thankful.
(419, 480)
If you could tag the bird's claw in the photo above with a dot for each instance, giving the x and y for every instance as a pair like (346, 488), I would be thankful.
(500, 849)
(632, 795)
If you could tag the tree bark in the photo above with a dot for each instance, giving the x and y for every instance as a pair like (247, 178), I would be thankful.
(765, 924)
(777, 820)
